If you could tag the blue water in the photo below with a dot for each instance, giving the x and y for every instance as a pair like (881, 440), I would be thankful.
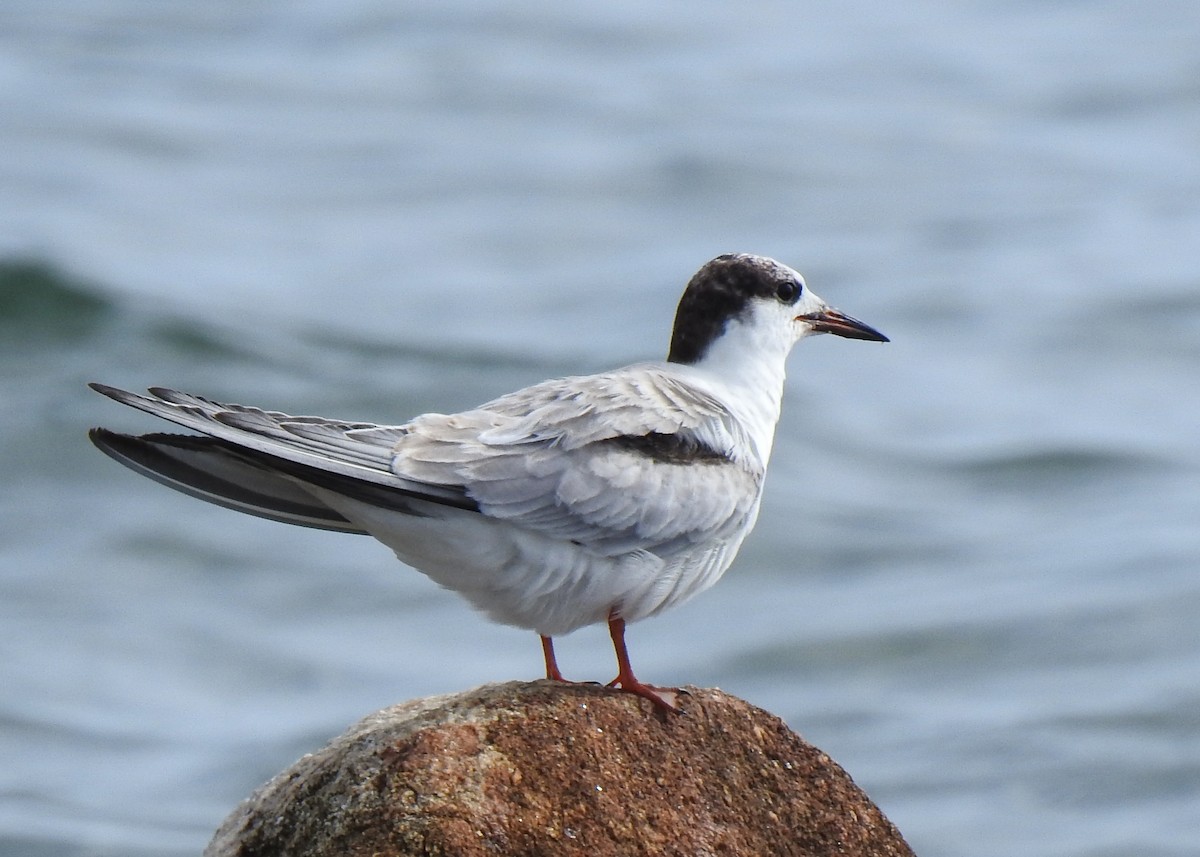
(976, 578)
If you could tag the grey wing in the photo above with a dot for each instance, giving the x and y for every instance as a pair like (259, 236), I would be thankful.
(215, 471)
(630, 460)
(248, 453)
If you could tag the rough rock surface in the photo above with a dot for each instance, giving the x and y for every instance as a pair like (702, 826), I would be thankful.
(553, 769)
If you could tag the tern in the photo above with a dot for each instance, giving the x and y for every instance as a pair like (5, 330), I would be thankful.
(576, 501)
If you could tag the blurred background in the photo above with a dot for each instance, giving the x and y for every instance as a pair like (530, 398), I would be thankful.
(975, 579)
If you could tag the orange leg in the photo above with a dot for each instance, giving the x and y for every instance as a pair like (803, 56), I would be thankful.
(663, 697)
(552, 672)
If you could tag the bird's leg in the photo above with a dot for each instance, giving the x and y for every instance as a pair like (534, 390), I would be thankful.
(552, 672)
(663, 697)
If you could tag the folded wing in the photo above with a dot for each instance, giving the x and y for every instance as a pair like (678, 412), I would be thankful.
(254, 460)
(629, 460)
(625, 461)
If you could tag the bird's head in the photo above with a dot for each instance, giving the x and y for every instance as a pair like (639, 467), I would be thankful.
(758, 300)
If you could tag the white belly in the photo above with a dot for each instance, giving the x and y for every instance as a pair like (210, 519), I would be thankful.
(522, 578)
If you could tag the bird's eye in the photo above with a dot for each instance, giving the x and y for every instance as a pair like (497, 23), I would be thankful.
(788, 291)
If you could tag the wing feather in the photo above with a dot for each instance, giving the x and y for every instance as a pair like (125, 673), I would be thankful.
(632, 460)
(315, 449)
(557, 458)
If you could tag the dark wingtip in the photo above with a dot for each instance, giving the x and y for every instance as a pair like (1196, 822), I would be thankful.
(111, 443)
(114, 393)
(108, 441)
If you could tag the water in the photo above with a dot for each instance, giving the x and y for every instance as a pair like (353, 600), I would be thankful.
(974, 582)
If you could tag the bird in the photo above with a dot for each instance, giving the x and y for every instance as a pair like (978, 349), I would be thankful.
(591, 499)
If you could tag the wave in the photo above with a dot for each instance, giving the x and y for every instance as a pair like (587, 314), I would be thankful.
(43, 305)
(39, 300)
(1057, 467)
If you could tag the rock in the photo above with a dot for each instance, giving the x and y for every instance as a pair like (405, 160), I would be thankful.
(552, 769)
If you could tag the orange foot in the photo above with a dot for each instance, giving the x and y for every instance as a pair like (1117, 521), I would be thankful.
(666, 698)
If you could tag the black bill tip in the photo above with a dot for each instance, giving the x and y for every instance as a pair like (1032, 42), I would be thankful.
(840, 324)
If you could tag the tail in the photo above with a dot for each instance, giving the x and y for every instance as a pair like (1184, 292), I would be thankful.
(214, 470)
